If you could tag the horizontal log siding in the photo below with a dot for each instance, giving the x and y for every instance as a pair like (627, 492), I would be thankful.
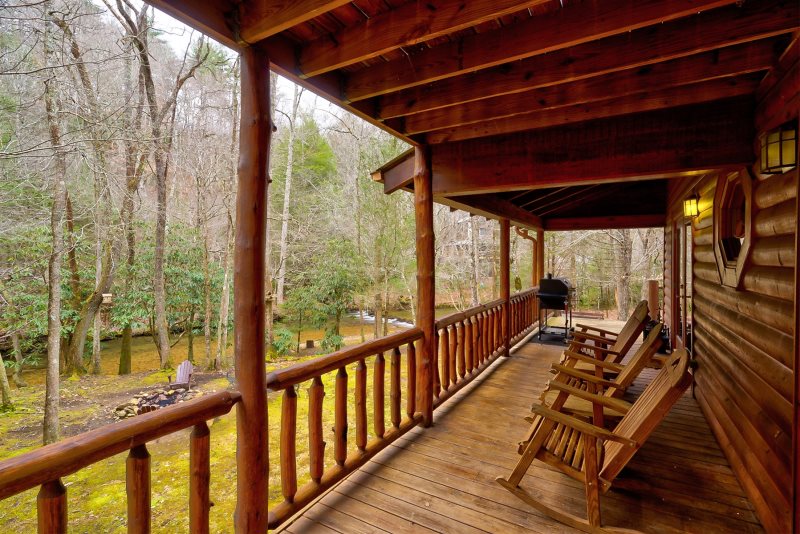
(743, 344)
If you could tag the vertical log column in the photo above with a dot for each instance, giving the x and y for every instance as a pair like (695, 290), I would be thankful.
(505, 283)
(423, 210)
(539, 265)
(255, 128)
(796, 426)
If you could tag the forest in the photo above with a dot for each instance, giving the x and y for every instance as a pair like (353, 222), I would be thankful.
(118, 163)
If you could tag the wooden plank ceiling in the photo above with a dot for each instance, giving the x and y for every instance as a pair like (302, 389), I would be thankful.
(544, 111)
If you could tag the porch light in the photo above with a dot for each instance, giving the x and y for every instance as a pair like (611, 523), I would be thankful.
(690, 206)
(779, 149)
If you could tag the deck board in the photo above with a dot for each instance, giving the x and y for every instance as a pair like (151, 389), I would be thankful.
(441, 479)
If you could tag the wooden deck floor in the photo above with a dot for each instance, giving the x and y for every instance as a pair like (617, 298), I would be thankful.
(441, 479)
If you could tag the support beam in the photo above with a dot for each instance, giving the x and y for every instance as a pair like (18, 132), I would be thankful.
(733, 61)
(539, 263)
(493, 207)
(210, 18)
(603, 223)
(779, 94)
(409, 24)
(572, 25)
(704, 32)
(696, 93)
(396, 174)
(264, 18)
(674, 142)
(505, 282)
(252, 458)
(426, 289)
(796, 422)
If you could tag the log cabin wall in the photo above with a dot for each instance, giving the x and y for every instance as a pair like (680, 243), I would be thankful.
(743, 338)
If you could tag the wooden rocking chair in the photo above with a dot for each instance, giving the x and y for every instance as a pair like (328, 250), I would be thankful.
(592, 454)
(607, 345)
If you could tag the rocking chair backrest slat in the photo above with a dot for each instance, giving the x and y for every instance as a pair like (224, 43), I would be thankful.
(630, 332)
(647, 412)
(638, 361)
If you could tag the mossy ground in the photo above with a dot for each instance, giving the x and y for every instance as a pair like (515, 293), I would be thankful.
(96, 494)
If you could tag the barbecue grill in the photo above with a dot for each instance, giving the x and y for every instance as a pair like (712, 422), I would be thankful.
(554, 295)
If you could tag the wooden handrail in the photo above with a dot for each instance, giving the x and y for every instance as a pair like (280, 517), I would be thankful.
(447, 320)
(295, 374)
(57, 460)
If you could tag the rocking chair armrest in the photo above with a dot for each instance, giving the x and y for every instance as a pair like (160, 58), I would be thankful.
(594, 347)
(593, 361)
(586, 335)
(586, 327)
(580, 425)
(574, 373)
(612, 403)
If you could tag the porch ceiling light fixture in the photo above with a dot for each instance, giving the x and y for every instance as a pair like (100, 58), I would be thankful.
(779, 149)
(691, 206)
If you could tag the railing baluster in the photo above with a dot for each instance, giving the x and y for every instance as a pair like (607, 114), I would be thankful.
(316, 446)
(484, 337)
(451, 361)
(445, 359)
(289, 444)
(411, 379)
(340, 418)
(51, 507)
(199, 478)
(361, 405)
(462, 363)
(469, 344)
(394, 387)
(437, 384)
(378, 393)
(137, 482)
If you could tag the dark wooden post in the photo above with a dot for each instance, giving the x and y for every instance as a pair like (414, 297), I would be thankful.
(137, 485)
(51, 505)
(423, 210)
(505, 283)
(796, 426)
(539, 262)
(252, 463)
(199, 478)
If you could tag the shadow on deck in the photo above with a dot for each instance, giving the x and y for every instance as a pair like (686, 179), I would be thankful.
(441, 479)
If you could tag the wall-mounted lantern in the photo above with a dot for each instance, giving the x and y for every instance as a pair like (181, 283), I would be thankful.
(779, 149)
(691, 206)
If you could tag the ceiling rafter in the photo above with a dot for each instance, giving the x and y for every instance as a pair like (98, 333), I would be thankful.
(574, 24)
(711, 30)
(265, 18)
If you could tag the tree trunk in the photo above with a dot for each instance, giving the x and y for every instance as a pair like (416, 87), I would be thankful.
(50, 425)
(378, 315)
(18, 380)
(5, 389)
(190, 331)
(287, 193)
(623, 251)
(224, 305)
(207, 297)
(472, 230)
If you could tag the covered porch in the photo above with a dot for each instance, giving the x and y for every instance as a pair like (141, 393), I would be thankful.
(546, 116)
(441, 479)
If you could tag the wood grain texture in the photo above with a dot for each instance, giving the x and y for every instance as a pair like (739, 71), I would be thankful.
(423, 203)
(199, 478)
(573, 25)
(265, 18)
(640, 49)
(248, 302)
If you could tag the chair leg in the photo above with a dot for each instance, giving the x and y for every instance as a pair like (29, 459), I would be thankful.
(591, 483)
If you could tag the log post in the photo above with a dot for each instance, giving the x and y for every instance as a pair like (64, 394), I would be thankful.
(199, 478)
(505, 283)
(252, 460)
(51, 505)
(137, 485)
(423, 211)
(652, 299)
(796, 425)
(539, 264)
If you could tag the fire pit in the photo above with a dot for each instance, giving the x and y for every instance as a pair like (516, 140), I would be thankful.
(147, 401)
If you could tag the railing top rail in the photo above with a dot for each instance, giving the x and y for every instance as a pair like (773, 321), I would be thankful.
(295, 374)
(67, 456)
(456, 317)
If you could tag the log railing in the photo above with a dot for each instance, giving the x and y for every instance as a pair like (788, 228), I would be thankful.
(469, 341)
(368, 364)
(45, 467)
